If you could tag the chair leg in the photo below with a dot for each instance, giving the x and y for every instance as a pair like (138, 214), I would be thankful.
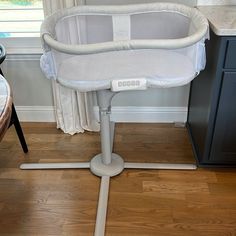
(15, 121)
(18, 129)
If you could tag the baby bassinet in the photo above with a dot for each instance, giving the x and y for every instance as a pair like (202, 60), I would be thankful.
(88, 47)
(115, 48)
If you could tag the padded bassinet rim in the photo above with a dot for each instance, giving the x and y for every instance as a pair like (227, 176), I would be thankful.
(48, 34)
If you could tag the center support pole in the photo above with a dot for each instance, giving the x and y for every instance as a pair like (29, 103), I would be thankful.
(104, 102)
(106, 163)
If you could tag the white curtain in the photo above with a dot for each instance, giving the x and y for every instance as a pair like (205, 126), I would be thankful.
(74, 110)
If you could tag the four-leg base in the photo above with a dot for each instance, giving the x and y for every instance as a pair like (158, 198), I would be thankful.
(105, 172)
(107, 164)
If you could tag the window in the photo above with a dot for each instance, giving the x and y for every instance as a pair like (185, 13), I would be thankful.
(20, 22)
(20, 18)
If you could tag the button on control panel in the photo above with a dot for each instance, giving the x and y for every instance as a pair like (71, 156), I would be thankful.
(129, 84)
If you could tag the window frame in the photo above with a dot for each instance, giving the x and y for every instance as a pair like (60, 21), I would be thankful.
(22, 45)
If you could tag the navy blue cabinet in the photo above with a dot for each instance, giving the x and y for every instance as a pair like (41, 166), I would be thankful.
(224, 137)
(212, 105)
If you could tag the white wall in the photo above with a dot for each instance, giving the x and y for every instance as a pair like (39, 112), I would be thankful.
(32, 91)
(29, 86)
(216, 2)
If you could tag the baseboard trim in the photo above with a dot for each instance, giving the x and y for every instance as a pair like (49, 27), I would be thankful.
(36, 113)
(119, 114)
(147, 114)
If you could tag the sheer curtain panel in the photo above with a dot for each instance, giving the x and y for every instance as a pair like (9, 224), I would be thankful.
(74, 110)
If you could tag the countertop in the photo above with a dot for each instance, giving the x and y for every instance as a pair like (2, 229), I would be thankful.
(222, 18)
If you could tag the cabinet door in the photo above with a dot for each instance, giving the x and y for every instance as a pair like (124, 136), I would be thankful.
(223, 149)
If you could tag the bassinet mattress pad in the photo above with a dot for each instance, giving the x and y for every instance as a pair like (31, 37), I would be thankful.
(159, 68)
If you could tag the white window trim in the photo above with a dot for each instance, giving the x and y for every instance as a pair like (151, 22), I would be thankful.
(22, 45)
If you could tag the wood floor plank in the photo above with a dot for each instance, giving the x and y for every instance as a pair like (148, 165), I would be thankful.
(141, 202)
(175, 187)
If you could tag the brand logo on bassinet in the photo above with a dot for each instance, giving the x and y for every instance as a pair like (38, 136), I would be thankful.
(129, 84)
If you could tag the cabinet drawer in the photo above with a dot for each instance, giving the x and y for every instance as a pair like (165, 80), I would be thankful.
(230, 60)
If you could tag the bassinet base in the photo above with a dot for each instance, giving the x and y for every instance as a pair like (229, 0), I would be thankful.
(106, 164)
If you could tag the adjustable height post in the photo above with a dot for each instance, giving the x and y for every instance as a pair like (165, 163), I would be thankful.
(105, 136)
(106, 163)
(104, 103)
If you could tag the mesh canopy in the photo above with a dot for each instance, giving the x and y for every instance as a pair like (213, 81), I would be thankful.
(86, 48)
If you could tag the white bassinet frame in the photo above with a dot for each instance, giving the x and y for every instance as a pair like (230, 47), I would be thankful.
(198, 19)
(108, 164)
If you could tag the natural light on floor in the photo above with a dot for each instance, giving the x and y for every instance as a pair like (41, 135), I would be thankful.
(20, 18)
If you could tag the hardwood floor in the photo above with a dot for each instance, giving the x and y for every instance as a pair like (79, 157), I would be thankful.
(142, 203)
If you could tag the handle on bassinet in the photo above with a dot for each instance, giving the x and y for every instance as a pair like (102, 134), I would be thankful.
(126, 45)
(197, 18)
